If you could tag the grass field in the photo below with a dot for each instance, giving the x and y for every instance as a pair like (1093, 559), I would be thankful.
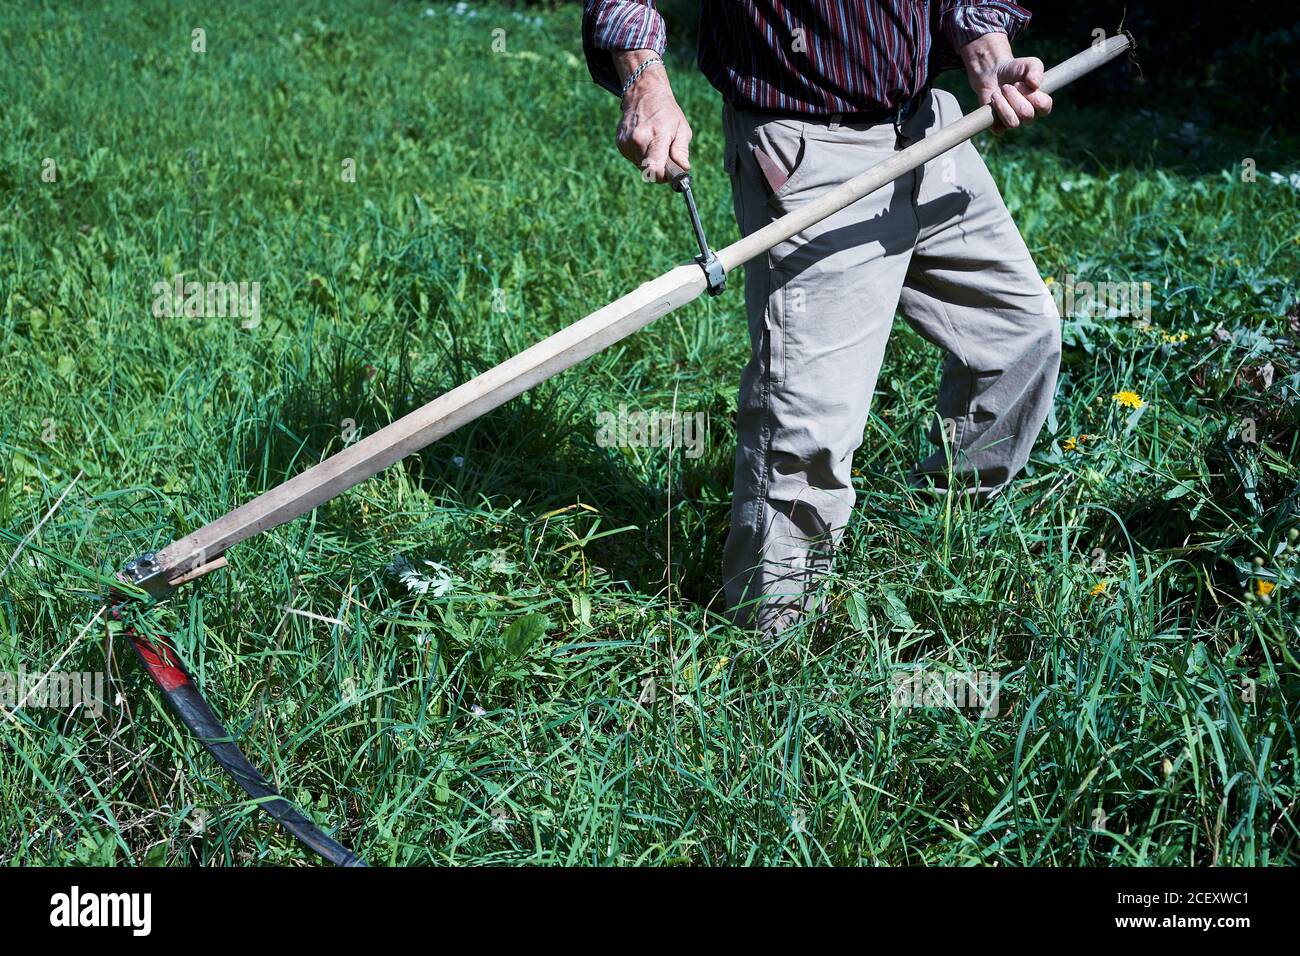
(517, 654)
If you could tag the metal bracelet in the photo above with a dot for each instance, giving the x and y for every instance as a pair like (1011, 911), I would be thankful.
(636, 74)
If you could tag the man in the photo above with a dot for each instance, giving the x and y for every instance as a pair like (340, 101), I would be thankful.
(816, 91)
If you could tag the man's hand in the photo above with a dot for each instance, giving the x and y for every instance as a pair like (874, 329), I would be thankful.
(1008, 82)
(653, 127)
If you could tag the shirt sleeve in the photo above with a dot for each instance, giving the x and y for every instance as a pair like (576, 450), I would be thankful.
(960, 23)
(963, 22)
(618, 25)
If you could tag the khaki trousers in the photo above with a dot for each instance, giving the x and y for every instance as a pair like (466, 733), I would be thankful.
(938, 245)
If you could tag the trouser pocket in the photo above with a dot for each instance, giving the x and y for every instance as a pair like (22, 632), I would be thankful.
(785, 148)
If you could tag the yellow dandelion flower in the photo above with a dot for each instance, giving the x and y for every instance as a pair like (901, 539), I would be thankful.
(1098, 589)
(1049, 280)
(1070, 445)
(1128, 399)
(1264, 588)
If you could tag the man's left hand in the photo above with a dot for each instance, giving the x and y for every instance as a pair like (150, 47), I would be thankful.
(1010, 83)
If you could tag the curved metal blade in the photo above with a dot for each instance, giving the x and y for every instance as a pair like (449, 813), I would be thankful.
(164, 666)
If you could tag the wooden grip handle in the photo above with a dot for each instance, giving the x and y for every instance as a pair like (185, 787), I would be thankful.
(676, 175)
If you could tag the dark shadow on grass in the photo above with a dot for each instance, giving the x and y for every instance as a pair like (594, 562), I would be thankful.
(537, 453)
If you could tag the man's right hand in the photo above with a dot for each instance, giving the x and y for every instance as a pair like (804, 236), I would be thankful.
(653, 127)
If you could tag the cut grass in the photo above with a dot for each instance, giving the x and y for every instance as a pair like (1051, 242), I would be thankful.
(537, 682)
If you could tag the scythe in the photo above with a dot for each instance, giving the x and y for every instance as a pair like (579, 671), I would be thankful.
(203, 551)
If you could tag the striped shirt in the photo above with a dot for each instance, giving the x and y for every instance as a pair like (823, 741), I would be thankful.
(806, 56)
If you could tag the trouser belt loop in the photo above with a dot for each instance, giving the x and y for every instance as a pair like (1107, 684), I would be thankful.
(835, 121)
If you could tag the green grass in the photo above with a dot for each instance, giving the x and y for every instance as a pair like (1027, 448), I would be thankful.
(563, 690)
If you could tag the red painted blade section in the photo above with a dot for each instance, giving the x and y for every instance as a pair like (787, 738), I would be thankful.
(164, 665)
